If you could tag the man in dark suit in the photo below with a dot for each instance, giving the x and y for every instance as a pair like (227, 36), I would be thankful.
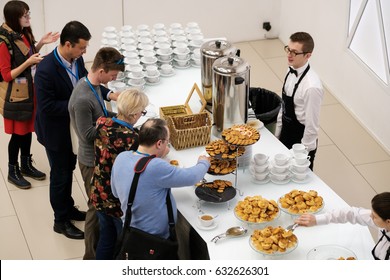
(55, 79)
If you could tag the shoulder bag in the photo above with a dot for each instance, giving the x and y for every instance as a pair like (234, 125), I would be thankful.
(135, 244)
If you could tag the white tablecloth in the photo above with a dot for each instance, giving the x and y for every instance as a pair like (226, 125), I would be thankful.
(173, 91)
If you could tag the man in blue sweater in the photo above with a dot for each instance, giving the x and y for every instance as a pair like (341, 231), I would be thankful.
(149, 211)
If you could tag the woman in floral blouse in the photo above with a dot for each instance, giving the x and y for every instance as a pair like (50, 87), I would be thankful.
(115, 135)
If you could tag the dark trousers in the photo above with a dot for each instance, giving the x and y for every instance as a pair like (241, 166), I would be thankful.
(62, 163)
(110, 229)
(91, 228)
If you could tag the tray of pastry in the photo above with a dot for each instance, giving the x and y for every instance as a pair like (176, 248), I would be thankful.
(222, 166)
(217, 191)
(241, 135)
(220, 149)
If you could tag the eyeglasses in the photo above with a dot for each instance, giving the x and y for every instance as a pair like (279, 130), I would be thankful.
(292, 52)
(27, 15)
(144, 112)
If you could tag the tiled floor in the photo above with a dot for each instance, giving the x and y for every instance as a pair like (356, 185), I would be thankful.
(348, 160)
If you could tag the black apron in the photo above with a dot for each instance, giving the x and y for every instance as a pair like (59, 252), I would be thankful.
(388, 250)
(292, 130)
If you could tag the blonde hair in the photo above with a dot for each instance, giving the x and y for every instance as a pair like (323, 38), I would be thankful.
(131, 101)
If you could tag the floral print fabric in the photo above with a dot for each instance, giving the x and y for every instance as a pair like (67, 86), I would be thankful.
(112, 139)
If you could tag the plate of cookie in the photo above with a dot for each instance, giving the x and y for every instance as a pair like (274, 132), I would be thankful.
(217, 191)
(256, 210)
(298, 202)
(222, 166)
(220, 149)
(273, 241)
(241, 135)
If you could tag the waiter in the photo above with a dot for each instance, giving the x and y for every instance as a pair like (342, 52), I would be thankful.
(302, 93)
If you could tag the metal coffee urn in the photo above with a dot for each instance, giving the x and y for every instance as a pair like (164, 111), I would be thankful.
(231, 75)
(210, 51)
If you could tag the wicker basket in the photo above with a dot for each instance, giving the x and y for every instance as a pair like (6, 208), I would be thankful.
(190, 130)
(183, 110)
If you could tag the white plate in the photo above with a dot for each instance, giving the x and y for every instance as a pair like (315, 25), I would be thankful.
(278, 182)
(153, 84)
(164, 54)
(169, 74)
(188, 65)
(304, 181)
(137, 85)
(213, 226)
(329, 252)
(272, 161)
(262, 182)
(131, 76)
(164, 61)
(149, 62)
(153, 76)
(187, 51)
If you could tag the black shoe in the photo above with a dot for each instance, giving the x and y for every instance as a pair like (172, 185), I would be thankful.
(27, 168)
(77, 215)
(14, 177)
(69, 230)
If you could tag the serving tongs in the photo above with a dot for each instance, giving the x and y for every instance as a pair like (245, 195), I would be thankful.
(292, 227)
(230, 232)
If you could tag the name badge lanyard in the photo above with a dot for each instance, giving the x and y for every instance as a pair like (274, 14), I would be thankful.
(125, 124)
(76, 76)
(97, 97)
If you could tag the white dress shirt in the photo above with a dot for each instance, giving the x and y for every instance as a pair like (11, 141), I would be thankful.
(359, 216)
(307, 101)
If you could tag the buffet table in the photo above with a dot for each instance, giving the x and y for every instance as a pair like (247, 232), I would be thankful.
(173, 91)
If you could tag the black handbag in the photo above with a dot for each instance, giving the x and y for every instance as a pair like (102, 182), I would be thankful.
(136, 244)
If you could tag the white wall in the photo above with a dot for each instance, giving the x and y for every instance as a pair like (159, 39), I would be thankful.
(237, 21)
(364, 95)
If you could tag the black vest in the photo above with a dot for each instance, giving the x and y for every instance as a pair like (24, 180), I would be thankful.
(19, 108)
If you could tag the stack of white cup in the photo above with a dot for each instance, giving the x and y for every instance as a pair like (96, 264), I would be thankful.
(280, 170)
(259, 167)
(300, 164)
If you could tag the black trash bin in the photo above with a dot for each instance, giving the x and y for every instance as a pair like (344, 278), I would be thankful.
(266, 105)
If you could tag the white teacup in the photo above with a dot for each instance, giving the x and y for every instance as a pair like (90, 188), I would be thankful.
(151, 70)
(196, 53)
(261, 168)
(260, 159)
(301, 158)
(280, 176)
(166, 68)
(260, 176)
(206, 220)
(137, 81)
(137, 71)
(280, 168)
(134, 62)
(159, 26)
(181, 62)
(181, 48)
(299, 176)
(281, 159)
(301, 168)
(298, 148)
(149, 56)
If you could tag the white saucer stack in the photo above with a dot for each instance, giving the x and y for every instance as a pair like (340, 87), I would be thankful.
(259, 168)
(300, 163)
(280, 169)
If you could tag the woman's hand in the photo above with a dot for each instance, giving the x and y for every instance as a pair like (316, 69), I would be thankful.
(50, 37)
(34, 59)
(47, 39)
(307, 220)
